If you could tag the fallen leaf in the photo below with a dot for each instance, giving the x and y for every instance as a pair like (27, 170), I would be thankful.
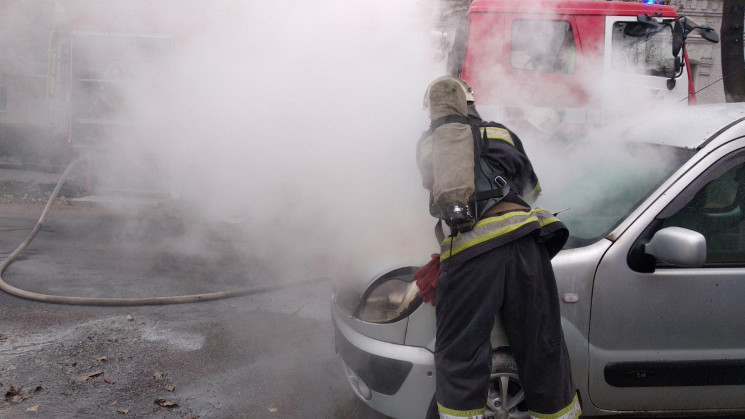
(163, 402)
(114, 402)
(16, 399)
(273, 410)
(159, 375)
(109, 380)
(13, 391)
(170, 387)
(85, 378)
(11, 367)
(33, 408)
(122, 411)
(102, 358)
(129, 318)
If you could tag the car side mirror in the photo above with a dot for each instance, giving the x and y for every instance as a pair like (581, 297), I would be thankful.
(709, 34)
(678, 246)
(677, 37)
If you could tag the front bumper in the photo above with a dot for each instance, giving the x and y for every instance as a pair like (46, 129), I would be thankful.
(396, 380)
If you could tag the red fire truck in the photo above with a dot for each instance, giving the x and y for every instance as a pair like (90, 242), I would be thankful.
(590, 60)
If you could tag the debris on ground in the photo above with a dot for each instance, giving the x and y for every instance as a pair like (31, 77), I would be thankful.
(15, 394)
(33, 408)
(170, 388)
(130, 318)
(102, 358)
(122, 411)
(13, 391)
(163, 402)
(85, 378)
(109, 380)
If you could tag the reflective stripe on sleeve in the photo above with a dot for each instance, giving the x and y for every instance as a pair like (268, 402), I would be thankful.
(494, 133)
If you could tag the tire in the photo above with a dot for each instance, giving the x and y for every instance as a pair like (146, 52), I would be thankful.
(503, 374)
(506, 397)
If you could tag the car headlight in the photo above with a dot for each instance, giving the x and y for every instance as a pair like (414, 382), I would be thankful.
(390, 298)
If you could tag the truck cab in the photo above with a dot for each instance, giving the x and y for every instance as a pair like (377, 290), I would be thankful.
(591, 61)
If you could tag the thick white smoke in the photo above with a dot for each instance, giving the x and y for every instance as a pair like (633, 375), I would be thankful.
(294, 124)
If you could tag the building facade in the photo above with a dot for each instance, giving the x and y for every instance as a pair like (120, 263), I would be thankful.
(705, 57)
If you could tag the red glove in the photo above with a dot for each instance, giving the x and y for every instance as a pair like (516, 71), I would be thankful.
(426, 279)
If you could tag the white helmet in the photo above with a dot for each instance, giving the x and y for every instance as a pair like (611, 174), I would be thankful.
(466, 88)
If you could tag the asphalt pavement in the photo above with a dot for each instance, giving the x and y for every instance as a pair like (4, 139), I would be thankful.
(269, 355)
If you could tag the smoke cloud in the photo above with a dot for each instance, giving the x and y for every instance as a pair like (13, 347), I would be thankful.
(292, 124)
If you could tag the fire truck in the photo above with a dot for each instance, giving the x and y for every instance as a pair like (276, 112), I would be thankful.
(592, 61)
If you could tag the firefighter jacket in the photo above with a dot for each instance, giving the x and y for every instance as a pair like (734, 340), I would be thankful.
(500, 171)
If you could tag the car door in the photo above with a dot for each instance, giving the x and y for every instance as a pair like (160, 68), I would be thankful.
(664, 337)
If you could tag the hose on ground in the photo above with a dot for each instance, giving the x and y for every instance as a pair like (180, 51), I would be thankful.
(92, 301)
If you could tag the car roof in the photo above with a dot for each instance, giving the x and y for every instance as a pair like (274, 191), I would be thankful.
(571, 7)
(686, 126)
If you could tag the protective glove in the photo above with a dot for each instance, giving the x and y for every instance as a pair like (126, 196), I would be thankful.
(426, 279)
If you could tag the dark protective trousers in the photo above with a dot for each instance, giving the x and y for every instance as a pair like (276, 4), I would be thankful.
(517, 281)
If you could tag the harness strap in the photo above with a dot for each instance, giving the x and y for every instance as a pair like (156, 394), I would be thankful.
(495, 193)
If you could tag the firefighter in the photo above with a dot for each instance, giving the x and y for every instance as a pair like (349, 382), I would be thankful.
(496, 259)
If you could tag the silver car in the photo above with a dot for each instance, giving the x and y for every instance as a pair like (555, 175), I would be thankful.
(652, 280)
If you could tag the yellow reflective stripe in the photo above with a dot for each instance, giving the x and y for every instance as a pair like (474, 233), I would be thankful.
(544, 217)
(546, 221)
(494, 133)
(528, 217)
(572, 411)
(460, 413)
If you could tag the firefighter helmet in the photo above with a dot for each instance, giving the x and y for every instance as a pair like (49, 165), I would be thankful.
(466, 89)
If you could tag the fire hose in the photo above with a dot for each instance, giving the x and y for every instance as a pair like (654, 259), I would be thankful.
(109, 301)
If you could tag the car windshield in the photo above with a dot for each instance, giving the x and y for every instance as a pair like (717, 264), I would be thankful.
(596, 184)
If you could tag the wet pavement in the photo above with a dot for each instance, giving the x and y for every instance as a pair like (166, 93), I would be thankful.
(268, 355)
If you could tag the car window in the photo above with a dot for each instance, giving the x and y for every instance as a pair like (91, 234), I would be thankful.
(717, 212)
(641, 50)
(546, 46)
(598, 183)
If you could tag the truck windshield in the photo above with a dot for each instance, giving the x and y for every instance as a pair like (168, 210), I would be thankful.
(639, 49)
(599, 183)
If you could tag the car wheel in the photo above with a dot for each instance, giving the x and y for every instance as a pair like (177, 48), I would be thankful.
(506, 397)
